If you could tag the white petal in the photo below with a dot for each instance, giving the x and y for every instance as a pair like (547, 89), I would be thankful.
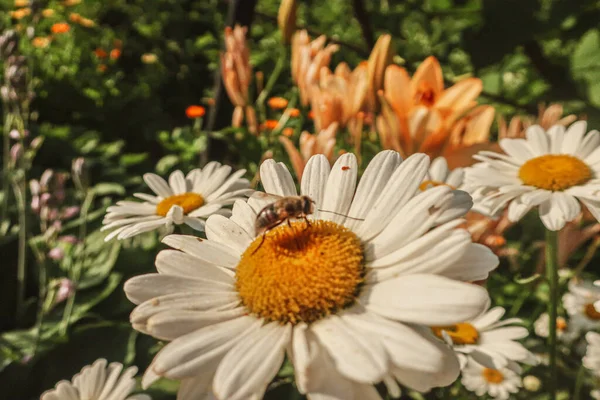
(574, 136)
(516, 148)
(557, 134)
(425, 299)
(177, 182)
(206, 250)
(171, 324)
(537, 139)
(173, 262)
(400, 188)
(195, 223)
(158, 185)
(248, 368)
(356, 356)
(339, 190)
(314, 179)
(196, 388)
(214, 180)
(371, 184)
(227, 185)
(276, 179)
(227, 232)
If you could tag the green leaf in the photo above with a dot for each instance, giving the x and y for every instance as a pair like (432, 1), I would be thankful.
(166, 163)
(108, 188)
(131, 159)
(98, 261)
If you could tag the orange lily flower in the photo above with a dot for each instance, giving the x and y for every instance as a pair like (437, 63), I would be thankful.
(338, 96)
(308, 57)
(60, 27)
(277, 103)
(420, 112)
(321, 143)
(195, 111)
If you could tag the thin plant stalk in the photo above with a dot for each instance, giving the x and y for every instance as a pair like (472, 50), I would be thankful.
(19, 191)
(76, 271)
(5, 165)
(279, 65)
(579, 383)
(552, 276)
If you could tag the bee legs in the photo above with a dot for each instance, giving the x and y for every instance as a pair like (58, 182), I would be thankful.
(295, 238)
(264, 236)
(307, 222)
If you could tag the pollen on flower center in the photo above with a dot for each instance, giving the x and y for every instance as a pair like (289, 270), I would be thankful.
(301, 272)
(555, 172)
(492, 375)
(188, 201)
(461, 333)
(591, 312)
(430, 184)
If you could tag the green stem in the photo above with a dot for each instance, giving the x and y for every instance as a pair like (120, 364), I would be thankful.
(19, 192)
(262, 97)
(579, 383)
(552, 276)
(5, 164)
(76, 271)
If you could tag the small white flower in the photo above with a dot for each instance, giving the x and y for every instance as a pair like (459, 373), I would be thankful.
(347, 299)
(591, 360)
(595, 394)
(98, 382)
(183, 200)
(532, 383)
(488, 340)
(498, 383)
(541, 326)
(580, 302)
(553, 170)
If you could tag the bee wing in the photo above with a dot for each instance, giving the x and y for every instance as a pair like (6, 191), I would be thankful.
(260, 200)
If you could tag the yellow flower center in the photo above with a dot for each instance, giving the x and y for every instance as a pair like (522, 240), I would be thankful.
(492, 375)
(430, 184)
(591, 312)
(188, 201)
(301, 272)
(555, 172)
(461, 333)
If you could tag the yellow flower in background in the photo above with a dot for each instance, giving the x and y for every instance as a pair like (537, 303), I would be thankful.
(149, 58)
(21, 3)
(20, 13)
(87, 23)
(70, 3)
(48, 12)
(41, 42)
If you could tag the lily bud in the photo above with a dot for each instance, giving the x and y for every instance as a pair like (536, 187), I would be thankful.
(286, 19)
(380, 58)
(66, 288)
(56, 254)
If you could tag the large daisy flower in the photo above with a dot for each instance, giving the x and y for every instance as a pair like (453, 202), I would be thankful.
(554, 170)
(581, 303)
(98, 382)
(346, 298)
(488, 340)
(591, 360)
(498, 383)
(186, 200)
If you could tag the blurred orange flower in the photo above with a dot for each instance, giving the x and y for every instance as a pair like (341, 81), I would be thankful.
(75, 17)
(41, 42)
(115, 54)
(100, 53)
(47, 13)
(102, 68)
(71, 2)
(289, 131)
(293, 112)
(270, 124)
(195, 111)
(87, 23)
(277, 103)
(60, 27)
(20, 13)
(21, 3)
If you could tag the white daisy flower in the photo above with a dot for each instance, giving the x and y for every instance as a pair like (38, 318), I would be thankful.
(98, 382)
(554, 169)
(183, 200)
(488, 340)
(580, 303)
(542, 329)
(591, 360)
(439, 174)
(497, 383)
(595, 394)
(346, 299)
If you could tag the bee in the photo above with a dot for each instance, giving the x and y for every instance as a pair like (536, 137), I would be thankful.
(283, 209)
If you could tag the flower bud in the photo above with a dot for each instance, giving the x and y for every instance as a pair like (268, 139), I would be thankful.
(70, 212)
(79, 170)
(286, 19)
(46, 178)
(45, 198)
(36, 143)
(71, 239)
(16, 151)
(531, 383)
(149, 58)
(56, 254)
(66, 288)
(14, 134)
